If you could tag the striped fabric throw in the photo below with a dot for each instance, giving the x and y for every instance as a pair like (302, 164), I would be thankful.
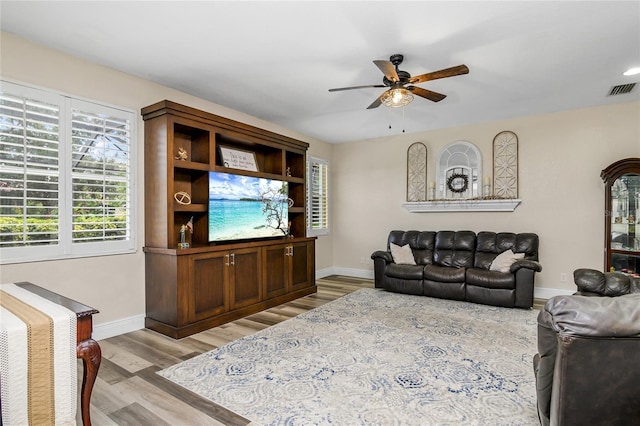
(38, 367)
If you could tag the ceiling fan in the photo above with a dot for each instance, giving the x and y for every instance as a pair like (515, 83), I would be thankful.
(398, 95)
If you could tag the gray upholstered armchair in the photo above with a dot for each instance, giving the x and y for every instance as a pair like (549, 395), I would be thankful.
(587, 369)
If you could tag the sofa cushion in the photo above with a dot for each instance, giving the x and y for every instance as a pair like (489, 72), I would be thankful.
(406, 272)
(490, 279)
(502, 262)
(490, 244)
(421, 243)
(454, 248)
(444, 274)
(402, 254)
(423, 251)
(400, 285)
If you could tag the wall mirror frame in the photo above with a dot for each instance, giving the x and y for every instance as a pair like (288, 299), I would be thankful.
(459, 171)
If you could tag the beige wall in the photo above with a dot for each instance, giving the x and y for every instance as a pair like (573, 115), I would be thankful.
(112, 284)
(561, 156)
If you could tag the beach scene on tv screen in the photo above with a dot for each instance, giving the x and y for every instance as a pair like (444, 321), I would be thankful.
(243, 207)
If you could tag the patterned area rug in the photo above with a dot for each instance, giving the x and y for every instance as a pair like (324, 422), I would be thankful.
(373, 357)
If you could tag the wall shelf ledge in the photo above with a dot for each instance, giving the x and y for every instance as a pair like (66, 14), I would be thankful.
(440, 206)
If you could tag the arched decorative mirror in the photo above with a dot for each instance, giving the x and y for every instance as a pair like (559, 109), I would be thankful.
(459, 171)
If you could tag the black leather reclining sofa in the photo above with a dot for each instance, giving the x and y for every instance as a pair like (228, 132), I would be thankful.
(456, 265)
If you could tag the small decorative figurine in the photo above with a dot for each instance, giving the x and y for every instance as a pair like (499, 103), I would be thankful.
(288, 171)
(183, 244)
(182, 154)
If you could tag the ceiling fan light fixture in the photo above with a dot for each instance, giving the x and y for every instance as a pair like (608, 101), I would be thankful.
(396, 98)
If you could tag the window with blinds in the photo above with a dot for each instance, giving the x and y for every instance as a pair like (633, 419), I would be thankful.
(317, 197)
(66, 180)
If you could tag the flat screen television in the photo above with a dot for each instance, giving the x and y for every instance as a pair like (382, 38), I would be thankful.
(246, 207)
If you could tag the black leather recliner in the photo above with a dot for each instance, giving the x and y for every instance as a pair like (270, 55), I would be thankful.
(587, 368)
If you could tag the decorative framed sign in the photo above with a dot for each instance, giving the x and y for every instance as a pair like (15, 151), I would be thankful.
(238, 159)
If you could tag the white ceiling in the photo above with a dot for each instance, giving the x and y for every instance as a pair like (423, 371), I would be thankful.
(277, 60)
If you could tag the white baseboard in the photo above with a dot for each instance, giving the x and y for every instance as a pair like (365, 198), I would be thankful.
(349, 272)
(322, 273)
(117, 327)
(548, 293)
(127, 325)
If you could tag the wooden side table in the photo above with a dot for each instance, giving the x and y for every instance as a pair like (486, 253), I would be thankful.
(87, 349)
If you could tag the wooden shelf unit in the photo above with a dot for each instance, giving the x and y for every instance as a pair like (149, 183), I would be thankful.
(190, 290)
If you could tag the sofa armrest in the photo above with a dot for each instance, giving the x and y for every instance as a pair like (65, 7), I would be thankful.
(524, 263)
(543, 368)
(593, 316)
(380, 261)
(384, 255)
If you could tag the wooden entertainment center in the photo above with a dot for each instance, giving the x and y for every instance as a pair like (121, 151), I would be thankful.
(191, 289)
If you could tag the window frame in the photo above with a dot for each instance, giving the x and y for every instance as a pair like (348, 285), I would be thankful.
(65, 247)
(325, 229)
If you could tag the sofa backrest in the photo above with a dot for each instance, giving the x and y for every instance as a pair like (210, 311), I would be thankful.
(591, 282)
(454, 248)
(422, 244)
(491, 244)
(443, 248)
(463, 249)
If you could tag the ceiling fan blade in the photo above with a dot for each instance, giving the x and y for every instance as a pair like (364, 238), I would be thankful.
(388, 69)
(377, 102)
(356, 87)
(447, 72)
(427, 94)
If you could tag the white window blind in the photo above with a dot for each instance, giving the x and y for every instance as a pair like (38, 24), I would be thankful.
(66, 178)
(30, 172)
(100, 172)
(317, 196)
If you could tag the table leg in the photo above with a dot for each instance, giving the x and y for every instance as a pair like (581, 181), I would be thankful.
(89, 351)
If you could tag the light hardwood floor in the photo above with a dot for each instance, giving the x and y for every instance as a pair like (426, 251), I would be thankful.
(129, 392)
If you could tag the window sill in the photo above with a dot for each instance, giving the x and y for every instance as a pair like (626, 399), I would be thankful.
(439, 206)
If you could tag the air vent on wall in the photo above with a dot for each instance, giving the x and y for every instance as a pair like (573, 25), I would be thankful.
(621, 89)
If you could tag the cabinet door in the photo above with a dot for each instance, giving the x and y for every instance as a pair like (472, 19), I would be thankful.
(275, 270)
(301, 265)
(245, 280)
(209, 293)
